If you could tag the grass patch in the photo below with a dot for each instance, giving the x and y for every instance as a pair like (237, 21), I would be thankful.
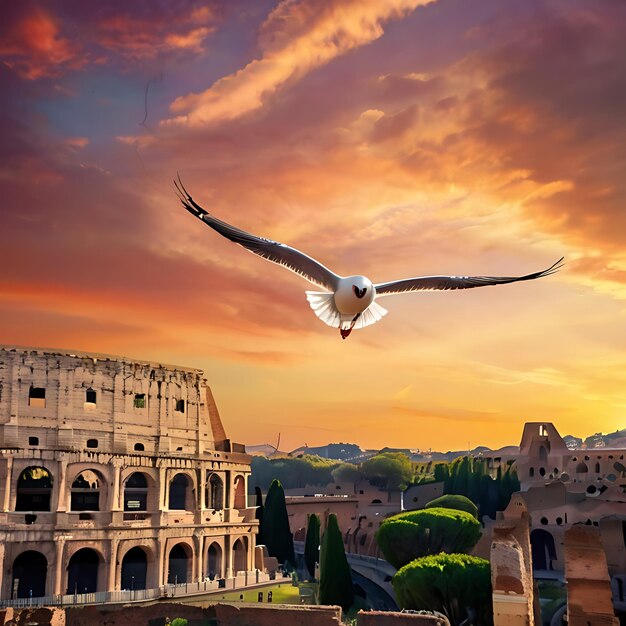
(282, 593)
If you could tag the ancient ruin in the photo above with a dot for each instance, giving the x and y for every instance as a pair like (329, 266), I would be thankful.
(115, 474)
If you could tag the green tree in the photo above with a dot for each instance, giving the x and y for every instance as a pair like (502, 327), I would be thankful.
(457, 585)
(335, 579)
(312, 544)
(259, 515)
(347, 473)
(453, 501)
(441, 473)
(293, 472)
(461, 475)
(276, 531)
(407, 536)
(390, 470)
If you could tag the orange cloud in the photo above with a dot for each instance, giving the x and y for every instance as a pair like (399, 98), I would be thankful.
(141, 38)
(77, 142)
(296, 38)
(34, 48)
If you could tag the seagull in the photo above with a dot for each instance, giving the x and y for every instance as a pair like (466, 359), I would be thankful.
(347, 302)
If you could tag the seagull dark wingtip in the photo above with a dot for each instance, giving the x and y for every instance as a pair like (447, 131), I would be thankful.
(187, 201)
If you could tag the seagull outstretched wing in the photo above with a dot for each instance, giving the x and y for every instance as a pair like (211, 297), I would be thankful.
(426, 283)
(274, 251)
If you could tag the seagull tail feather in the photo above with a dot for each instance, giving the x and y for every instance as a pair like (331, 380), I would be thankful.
(323, 305)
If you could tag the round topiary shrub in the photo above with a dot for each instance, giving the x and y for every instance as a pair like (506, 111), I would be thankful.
(408, 536)
(457, 585)
(453, 501)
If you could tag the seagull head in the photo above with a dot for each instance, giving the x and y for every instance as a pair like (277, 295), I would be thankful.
(354, 294)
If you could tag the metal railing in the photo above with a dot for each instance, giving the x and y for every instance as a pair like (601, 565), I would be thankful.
(239, 581)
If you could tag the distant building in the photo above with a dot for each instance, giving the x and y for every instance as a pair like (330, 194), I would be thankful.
(115, 474)
(338, 451)
(562, 488)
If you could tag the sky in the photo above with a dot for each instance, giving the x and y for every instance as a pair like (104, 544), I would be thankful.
(390, 139)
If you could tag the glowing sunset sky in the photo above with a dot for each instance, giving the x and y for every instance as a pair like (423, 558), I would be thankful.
(392, 139)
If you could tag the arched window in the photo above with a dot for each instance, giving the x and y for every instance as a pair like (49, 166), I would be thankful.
(215, 493)
(92, 443)
(240, 492)
(34, 487)
(239, 555)
(179, 563)
(214, 565)
(543, 549)
(139, 447)
(178, 493)
(30, 569)
(136, 493)
(85, 493)
(134, 569)
(581, 468)
(82, 571)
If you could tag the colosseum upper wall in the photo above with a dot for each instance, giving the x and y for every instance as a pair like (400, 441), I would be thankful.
(115, 474)
(72, 400)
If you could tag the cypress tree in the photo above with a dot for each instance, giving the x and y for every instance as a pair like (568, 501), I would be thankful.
(276, 531)
(312, 544)
(259, 515)
(335, 578)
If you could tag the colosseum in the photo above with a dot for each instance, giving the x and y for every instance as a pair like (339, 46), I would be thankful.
(115, 474)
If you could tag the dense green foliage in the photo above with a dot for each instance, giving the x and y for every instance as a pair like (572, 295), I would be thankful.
(259, 515)
(470, 477)
(335, 578)
(457, 585)
(466, 476)
(312, 544)
(179, 621)
(452, 501)
(407, 536)
(390, 470)
(276, 531)
(347, 473)
(292, 472)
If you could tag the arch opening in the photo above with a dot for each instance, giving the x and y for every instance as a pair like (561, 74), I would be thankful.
(82, 571)
(180, 498)
(543, 549)
(34, 488)
(178, 564)
(240, 492)
(134, 569)
(239, 555)
(136, 492)
(215, 495)
(29, 575)
(214, 564)
(85, 492)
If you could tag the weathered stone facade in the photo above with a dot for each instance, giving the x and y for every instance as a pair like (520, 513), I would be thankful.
(563, 487)
(589, 597)
(511, 568)
(115, 473)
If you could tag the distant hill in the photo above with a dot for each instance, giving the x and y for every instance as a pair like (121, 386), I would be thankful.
(264, 449)
(352, 453)
(338, 451)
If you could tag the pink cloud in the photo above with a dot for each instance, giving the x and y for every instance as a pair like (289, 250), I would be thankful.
(295, 39)
(34, 47)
